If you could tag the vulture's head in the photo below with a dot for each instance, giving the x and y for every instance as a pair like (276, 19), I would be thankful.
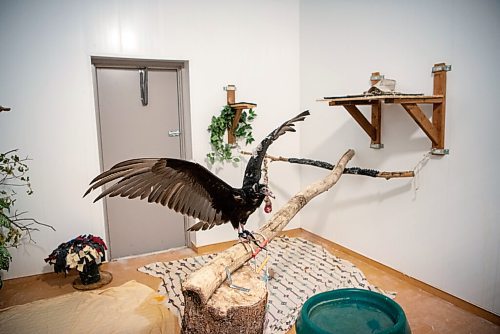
(258, 192)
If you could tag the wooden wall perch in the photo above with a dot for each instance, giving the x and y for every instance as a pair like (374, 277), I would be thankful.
(238, 108)
(434, 127)
(200, 285)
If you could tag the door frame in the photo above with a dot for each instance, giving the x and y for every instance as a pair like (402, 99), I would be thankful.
(182, 68)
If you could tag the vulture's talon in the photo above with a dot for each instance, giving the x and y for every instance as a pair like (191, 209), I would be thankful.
(247, 236)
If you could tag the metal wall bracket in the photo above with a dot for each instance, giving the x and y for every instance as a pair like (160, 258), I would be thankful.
(229, 87)
(439, 68)
(377, 77)
(377, 146)
(440, 151)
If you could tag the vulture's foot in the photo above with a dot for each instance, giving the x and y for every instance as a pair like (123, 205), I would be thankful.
(247, 236)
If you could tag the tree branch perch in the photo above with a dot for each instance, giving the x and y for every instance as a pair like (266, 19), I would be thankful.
(201, 284)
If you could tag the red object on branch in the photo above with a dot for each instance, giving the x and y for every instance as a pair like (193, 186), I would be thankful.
(269, 206)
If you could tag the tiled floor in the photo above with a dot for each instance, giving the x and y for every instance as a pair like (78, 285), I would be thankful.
(425, 312)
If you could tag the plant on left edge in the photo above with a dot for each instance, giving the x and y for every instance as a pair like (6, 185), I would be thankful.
(14, 225)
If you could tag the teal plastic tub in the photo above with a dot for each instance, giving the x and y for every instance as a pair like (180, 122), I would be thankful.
(351, 311)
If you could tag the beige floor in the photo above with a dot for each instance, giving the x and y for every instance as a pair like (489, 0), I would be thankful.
(426, 312)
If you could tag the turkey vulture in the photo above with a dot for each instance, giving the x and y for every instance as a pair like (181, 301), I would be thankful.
(191, 189)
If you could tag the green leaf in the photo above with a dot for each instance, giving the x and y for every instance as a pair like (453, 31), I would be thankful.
(221, 151)
(5, 221)
(5, 258)
(211, 157)
(4, 203)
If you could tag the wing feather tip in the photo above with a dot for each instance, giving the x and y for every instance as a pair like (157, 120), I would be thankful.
(87, 192)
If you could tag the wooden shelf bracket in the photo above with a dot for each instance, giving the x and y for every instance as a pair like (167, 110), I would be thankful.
(238, 109)
(434, 129)
(439, 109)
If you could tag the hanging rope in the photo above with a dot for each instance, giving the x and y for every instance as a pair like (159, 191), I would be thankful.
(418, 167)
(269, 206)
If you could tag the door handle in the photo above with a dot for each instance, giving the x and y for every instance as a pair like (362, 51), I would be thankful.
(174, 133)
(143, 83)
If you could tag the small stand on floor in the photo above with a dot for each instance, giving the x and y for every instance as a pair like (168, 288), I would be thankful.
(106, 278)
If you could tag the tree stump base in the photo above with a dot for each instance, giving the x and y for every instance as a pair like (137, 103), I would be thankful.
(228, 310)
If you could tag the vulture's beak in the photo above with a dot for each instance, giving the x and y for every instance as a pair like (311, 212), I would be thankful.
(267, 192)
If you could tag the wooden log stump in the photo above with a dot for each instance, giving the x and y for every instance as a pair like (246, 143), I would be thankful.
(229, 310)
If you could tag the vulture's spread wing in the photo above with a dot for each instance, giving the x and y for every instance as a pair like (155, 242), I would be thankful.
(183, 186)
(253, 170)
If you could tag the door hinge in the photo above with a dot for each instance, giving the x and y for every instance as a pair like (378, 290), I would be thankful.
(174, 133)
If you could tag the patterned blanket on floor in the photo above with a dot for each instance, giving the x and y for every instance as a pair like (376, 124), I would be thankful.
(300, 269)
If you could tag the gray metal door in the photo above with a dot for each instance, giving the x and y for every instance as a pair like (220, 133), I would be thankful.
(128, 129)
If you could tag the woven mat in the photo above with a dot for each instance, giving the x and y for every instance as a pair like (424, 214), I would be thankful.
(301, 269)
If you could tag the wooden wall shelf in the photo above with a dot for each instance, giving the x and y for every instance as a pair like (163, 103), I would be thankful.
(434, 128)
(237, 107)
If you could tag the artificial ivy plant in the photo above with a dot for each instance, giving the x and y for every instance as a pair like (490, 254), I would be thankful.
(222, 151)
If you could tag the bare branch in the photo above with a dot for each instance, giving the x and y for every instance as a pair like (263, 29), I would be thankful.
(16, 218)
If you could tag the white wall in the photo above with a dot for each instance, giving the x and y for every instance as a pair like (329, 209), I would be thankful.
(46, 80)
(446, 233)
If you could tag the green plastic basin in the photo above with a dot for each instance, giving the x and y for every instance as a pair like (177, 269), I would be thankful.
(346, 311)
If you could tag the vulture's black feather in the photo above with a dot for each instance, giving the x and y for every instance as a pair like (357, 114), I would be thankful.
(190, 188)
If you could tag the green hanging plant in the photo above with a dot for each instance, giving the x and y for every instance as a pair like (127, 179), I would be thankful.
(222, 151)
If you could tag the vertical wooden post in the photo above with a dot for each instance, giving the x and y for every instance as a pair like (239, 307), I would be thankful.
(439, 109)
(231, 99)
(377, 124)
(376, 114)
(231, 94)
(231, 137)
